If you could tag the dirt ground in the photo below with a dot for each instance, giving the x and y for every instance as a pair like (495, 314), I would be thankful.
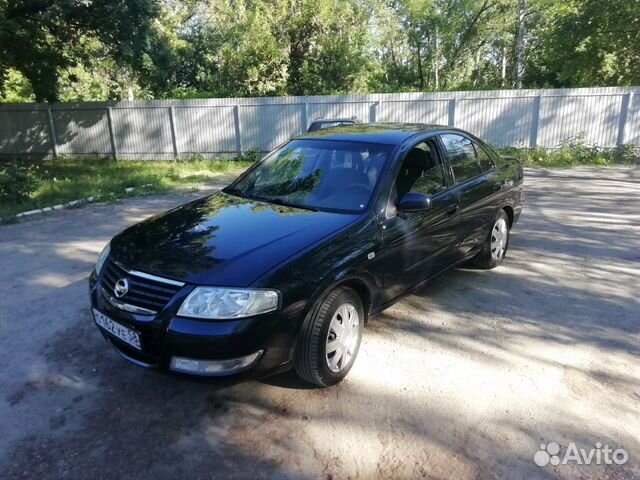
(464, 379)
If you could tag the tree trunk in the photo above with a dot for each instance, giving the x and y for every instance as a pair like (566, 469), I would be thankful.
(420, 69)
(436, 61)
(476, 67)
(503, 73)
(521, 29)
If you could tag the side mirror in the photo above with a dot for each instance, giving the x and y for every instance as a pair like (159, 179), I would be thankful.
(414, 202)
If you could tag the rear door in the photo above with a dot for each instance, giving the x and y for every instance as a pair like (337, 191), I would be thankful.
(476, 184)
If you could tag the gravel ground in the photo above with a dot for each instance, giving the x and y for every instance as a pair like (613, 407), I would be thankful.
(464, 379)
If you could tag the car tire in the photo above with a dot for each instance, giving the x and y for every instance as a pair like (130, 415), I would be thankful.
(495, 246)
(336, 322)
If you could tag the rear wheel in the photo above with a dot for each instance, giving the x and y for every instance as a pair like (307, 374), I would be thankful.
(495, 246)
(330, 338)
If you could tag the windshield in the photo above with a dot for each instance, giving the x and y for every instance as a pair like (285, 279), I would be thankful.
(317, 174)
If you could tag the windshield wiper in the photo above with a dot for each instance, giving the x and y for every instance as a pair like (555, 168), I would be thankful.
(235, 191)
(273, 200)
(279, 201)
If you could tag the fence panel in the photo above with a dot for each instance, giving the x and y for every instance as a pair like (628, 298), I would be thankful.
(82, 131)
(266, 126)
(415, 111)
(7, 137)
(143, 133)
(166, 129)
(500, 121)
(593, 117)
(29, 134)
(345, 109)
(632, 127)
(205, 130)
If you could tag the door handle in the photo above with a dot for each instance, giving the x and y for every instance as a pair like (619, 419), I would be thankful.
(452, 210)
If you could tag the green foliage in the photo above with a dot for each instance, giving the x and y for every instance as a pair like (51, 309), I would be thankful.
(41, 39)
(17, 183)
(587, 43)
(16, 87)
(628, 154)
(95, 50)
(249, 156)
(574, 153)
(53, 182)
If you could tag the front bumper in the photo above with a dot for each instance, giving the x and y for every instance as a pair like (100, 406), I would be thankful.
(258, 345)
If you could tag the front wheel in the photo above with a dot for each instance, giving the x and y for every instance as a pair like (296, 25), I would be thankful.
(495, 246)
(330, 337)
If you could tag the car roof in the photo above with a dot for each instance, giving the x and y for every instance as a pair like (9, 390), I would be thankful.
(385, 133)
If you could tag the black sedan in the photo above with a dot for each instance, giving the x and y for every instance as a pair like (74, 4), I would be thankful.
(285, 266)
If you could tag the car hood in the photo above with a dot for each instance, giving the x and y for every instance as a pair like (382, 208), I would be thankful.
(222, 239)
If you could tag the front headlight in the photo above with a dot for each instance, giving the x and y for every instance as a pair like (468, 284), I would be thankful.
(103, 257)
(225, 303)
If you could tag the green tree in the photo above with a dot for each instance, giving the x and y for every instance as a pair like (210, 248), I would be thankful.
(43, 38)
(588, 45)
(110, 49)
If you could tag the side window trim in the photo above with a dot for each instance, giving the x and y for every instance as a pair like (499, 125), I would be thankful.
(446, 163)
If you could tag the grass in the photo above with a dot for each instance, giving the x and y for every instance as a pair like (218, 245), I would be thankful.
(573, 154)
(64, 180)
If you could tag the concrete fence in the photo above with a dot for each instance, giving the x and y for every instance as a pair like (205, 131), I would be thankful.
(169, 129)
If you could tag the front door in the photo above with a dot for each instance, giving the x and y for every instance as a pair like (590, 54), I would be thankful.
(418, 245)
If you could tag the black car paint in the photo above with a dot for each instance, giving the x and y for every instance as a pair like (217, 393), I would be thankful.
(213, 240)
(226, 240)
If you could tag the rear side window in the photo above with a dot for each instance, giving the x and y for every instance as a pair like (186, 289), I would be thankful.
(483, 158)
(462, 155)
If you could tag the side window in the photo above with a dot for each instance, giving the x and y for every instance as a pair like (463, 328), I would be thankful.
(421, 171)
(432, 180)
(462, 156)
(483, 158)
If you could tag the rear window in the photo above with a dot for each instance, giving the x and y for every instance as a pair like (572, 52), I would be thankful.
(315, 126)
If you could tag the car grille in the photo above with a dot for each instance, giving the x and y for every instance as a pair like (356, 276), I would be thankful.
(146, 292)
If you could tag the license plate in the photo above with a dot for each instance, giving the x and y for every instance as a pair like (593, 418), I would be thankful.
(123, 333)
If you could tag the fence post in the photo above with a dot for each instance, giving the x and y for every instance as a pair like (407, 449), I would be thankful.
(305, 116)
(535, 121)
(52, 132)
(236, 118)
(112, 137)
(174, 137)
(374, 113)
(12, 135)
(624, 116)
(452, 112)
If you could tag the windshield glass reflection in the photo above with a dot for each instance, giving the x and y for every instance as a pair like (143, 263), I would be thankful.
(316, 175)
